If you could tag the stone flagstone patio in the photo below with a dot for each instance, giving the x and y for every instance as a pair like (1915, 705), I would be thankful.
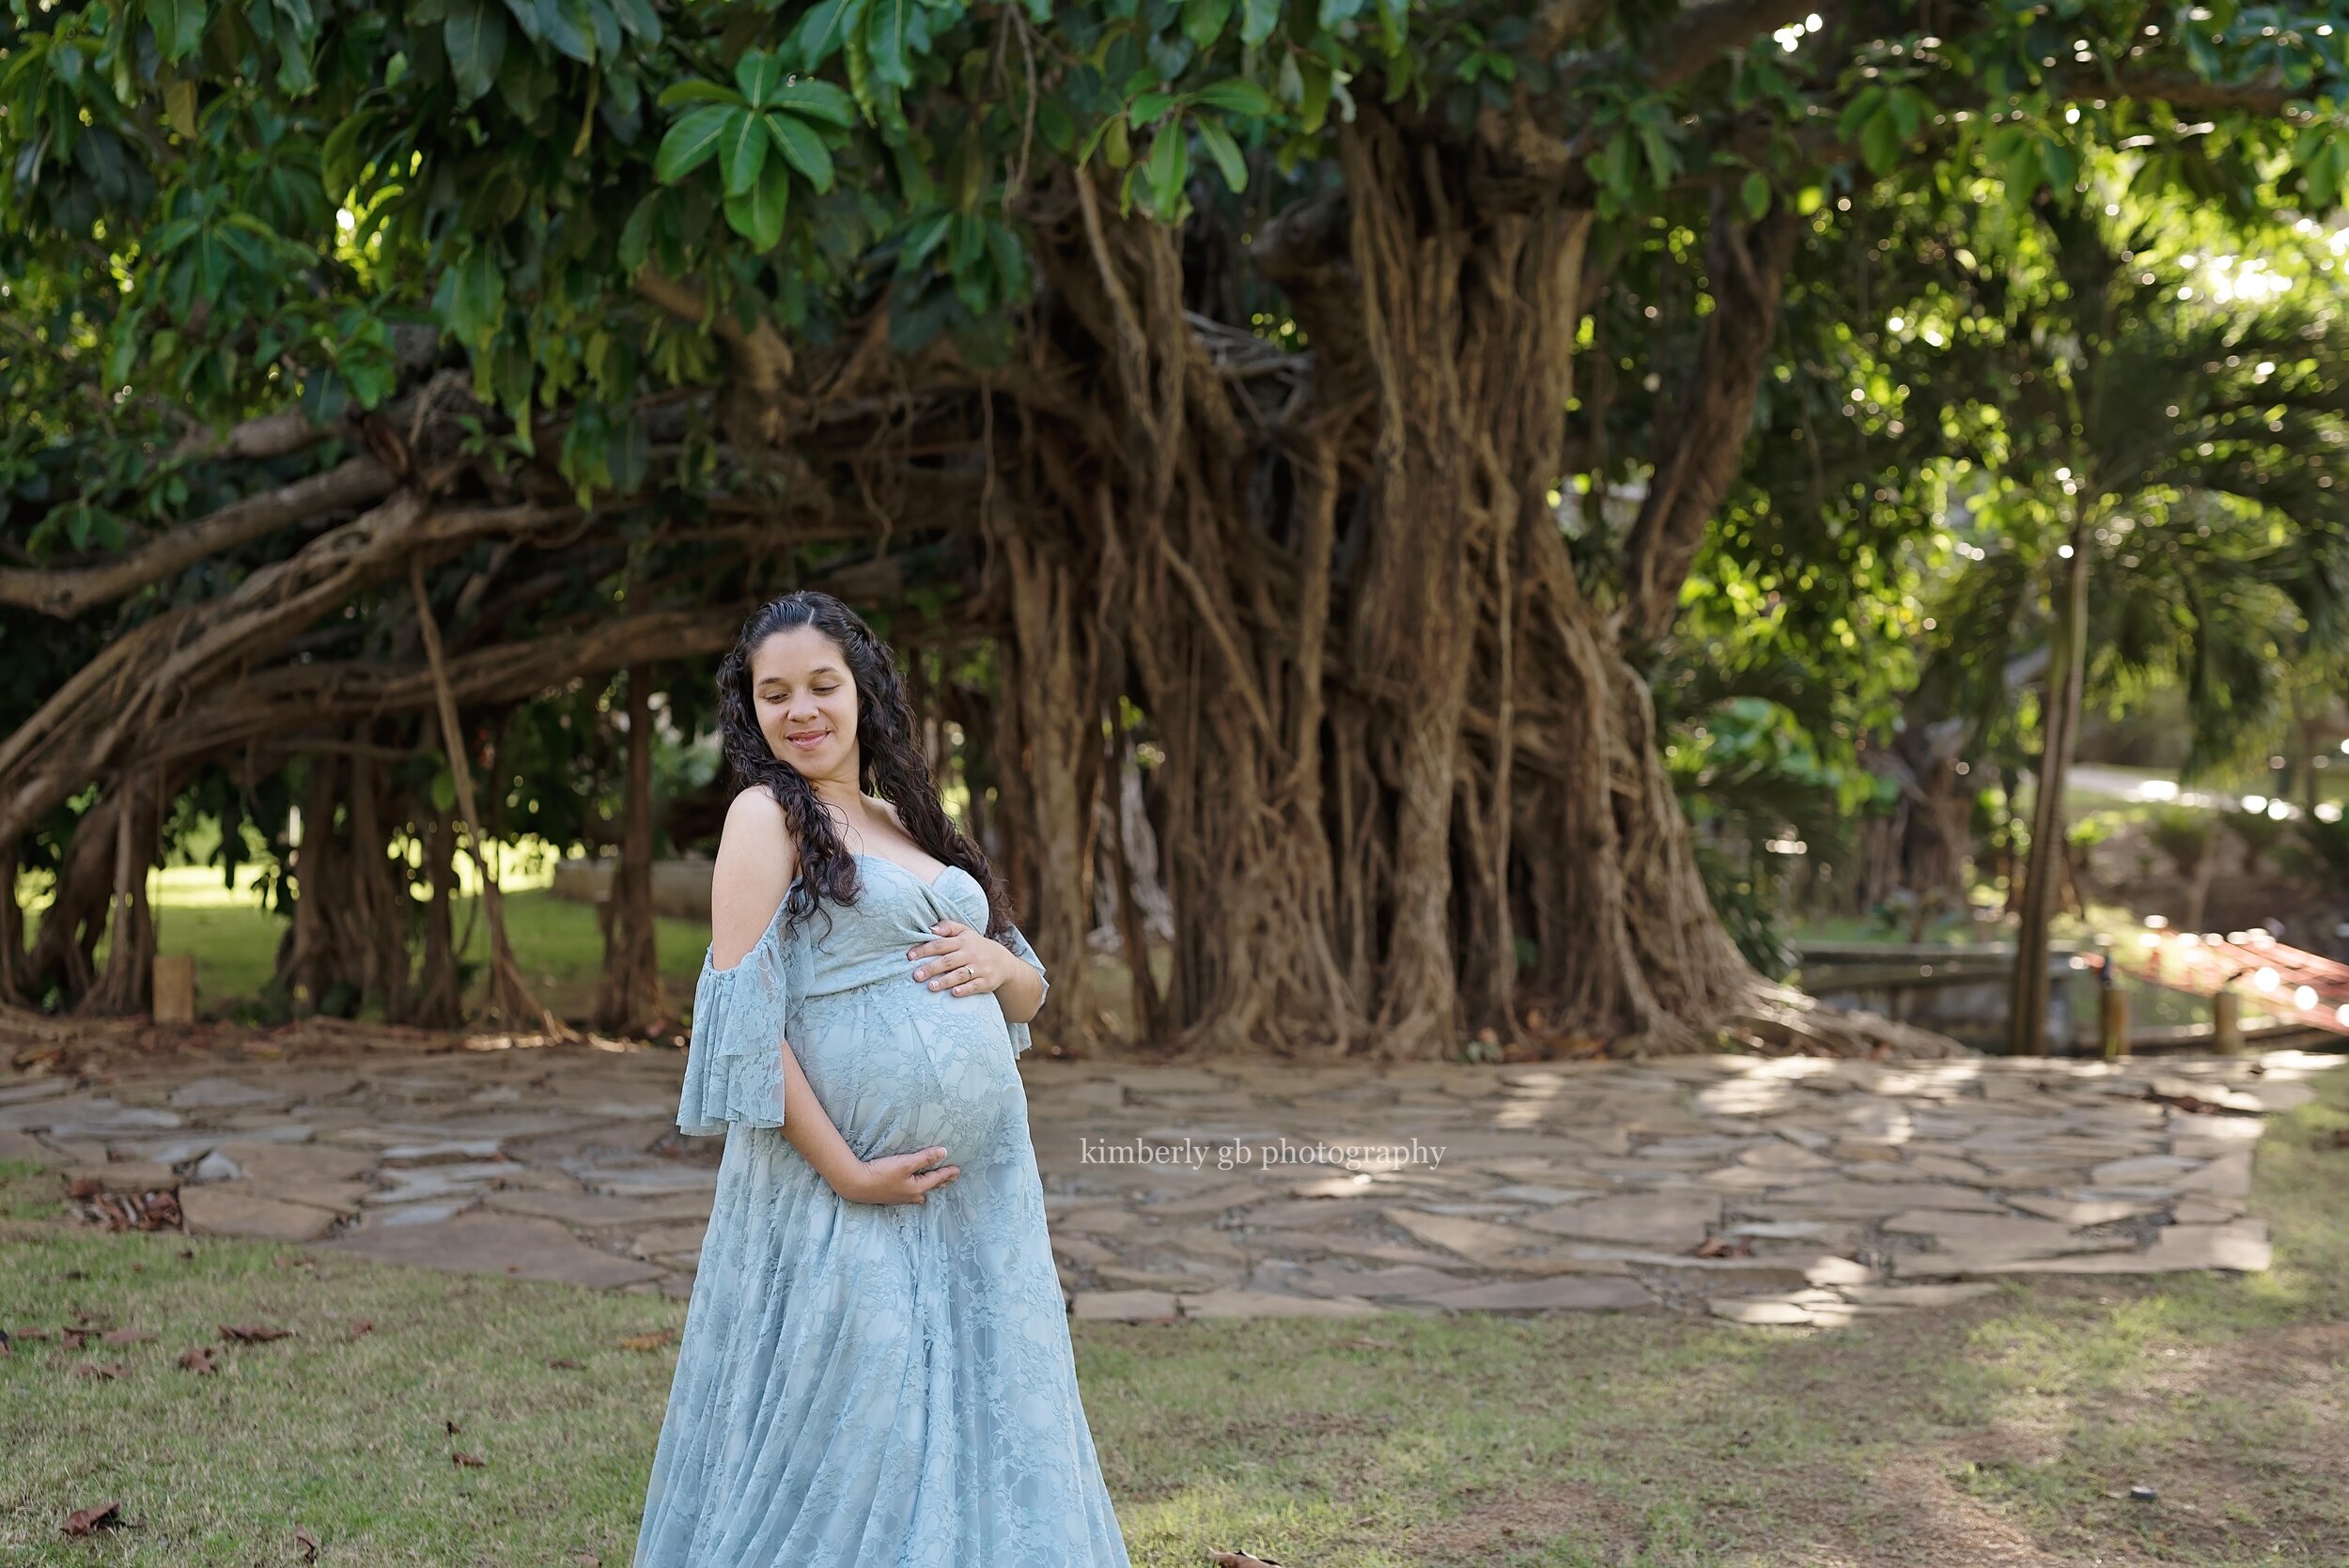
(1778, 1190)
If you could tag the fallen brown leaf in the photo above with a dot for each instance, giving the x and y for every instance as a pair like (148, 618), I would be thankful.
(364, 1327)
(74, 1339)
(32, 1333)
(587, 1560)
(566, 1364)
(251, 1333)
(308, 1543)
(467, 1461)
(1364, 1342)
(88, 1521)
(126, 1336)
(648, 1342)
(111, 1372)
(452, 1428)
(199, 1361)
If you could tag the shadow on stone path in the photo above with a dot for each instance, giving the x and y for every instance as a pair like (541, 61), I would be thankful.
(1764, 1190)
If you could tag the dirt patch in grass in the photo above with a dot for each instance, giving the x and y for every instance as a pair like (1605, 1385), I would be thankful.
(1492, 1530)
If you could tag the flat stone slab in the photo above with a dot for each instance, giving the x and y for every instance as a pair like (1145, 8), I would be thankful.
(1662, 1220)
(1868, 1200)
(1564, 1294)
(296, 1162)
(513, 1245)
(228, 1209)
(2005, 1234)
(595, 1210)
(1259, 1303)
(1125, 1306)
(2083, 1211)
(1402, 1280)
(443, 1151)
(1917, 1296)
(220, 1094)
(2240, 1245)
(1496, 1247)
(651, 1181)
(2227, 1176)
(1533, 1192)
(99, 1119)
(1762, 1311)
(662, 1240)
(125, 1175)
(2143, 1171)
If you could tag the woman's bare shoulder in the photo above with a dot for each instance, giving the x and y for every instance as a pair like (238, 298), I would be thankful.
(756, 861)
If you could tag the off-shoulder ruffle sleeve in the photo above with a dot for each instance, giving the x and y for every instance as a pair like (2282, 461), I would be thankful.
(734, 1065)
(1021, 1040)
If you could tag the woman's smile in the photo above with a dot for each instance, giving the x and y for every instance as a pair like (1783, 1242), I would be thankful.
(806, 740)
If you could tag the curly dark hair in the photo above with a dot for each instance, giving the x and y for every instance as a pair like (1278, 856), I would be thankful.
(889, 763)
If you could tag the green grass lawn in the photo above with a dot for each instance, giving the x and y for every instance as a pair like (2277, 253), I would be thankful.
(2008, 1430)
(234, 941)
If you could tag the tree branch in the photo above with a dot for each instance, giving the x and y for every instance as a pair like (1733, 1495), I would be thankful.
(1701, 34)
(763, 356)
(2262, 95)
(1746, 269)
(273, 435)
(67, 590)
(1558, 23)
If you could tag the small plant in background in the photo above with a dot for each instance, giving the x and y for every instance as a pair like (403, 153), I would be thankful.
(2181, 834)
(2258, 832)
(2318, 851)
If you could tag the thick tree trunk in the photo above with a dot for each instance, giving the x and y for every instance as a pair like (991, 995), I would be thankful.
(1051, 718)
(1396, 731)
(379, 888)
(437, 1000)
(2027, 1022)
(1916, 852)
(630, 1002)
(15, 963)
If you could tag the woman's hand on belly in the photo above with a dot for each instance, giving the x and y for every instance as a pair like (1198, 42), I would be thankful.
(965, 962)
(897, 1178)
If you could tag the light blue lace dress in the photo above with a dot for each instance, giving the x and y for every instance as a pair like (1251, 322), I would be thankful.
(868, 1385)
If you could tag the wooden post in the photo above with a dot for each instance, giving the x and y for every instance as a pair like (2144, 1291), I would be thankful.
(2226, 1016)
(175, 988)
(2115, 1019)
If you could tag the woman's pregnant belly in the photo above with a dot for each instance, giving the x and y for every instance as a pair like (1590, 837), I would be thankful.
(899, 1068)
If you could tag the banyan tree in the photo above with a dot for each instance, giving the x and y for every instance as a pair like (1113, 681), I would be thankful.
(1223, 380)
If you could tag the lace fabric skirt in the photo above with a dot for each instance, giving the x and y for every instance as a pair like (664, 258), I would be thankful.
(864, 1386)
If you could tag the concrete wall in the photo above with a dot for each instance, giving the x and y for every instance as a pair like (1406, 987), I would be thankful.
(680, 888)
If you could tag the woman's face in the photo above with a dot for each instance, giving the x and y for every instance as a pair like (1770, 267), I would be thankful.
(805, 700)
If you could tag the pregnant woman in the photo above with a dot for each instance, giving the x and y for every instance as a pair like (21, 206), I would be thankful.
(876, 1370)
